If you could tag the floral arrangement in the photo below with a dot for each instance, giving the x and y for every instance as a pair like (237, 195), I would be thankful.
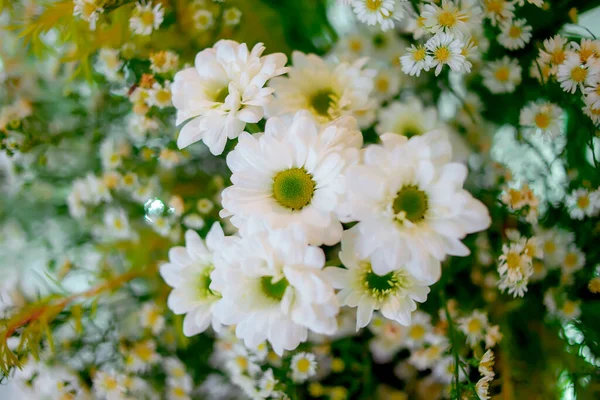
(359, 199)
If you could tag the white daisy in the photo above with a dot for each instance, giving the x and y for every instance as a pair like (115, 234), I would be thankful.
(88, 10)
(203, 20)
(554, 53)
(394, 294)
(232, 16)
(449, 18)
(498, 11)
(474, 327)
(189, 274)
(554, 243)
(303, 365)
(109, 385)
(386, 84)
(160, 95)
(389, 339)
(486, 364)
(328, 90)
(416, 60)
(445, 368)
(151, 318)
(592, 95)
(593, 112)
(146, 18)
(411, 207)
(382, 12)
(163, 61)
(502, 76)
(514, 34)
(582, 204)
(429, 355)
(109, 64)
(293, 176)
(273, 288)
(141, 356)
(515, 269)
(573, 261)
(588, 50)
(409, 118)
(545, 119)
(482, 388)
(573, 75)
(570, 310)
(445, 49)
(224, 91)
(116, 224)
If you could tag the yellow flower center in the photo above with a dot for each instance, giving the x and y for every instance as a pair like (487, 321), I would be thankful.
(578, 74)
(303, 365)
(382, 84)
(549, 247)
(447, 19)
(494, 6)
(373, 5)
(355, 45)
(542, 120)
(571, 260)
(147, 18)
(417, 332)
(419, 54)
(502, 74)
(558, 56)
(293, 188)
(163, 96)
(569, 307)
(474, 326)
(88, 9)
(583, 201)
(513, 261)
(442, 54)
(242, 362)
(514, 32)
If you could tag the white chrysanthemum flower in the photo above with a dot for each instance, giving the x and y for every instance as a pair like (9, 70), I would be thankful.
(273, 288)
(498, 11)
(588, 50)
(419, 331)
(382, 12)
(151, 318)
(141, 356)
(88, 10)
(293, 176)
(203, 20)
(482, 388)
(554, 244)
(514, 34)
(146, 18)
(267, 384)
(109, 385)
(386, 84)
(502, 76)
(232, 16)
(544, 119)
(573, 75)
(553, 54)
(109, 64)
(189, 274)
(486, 364)
(411, 207)
(410, 118)
(569, 310)
(446, 49)
(160, 95)
(303, 365)
(224, 91)
(515, 269)
(394, 294)
(416, 60)
(474, 327)
(573, 261)
(328, 90)
(582, 204)
(449, 18)
(163, 61)
(116, 224)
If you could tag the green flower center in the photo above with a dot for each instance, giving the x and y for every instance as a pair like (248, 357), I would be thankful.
(379, 40)
(221, 95)
(293, 188)
(409, 130)
(412, 202)
(203, 283)
(273, 290)
(381, 286)
(322, 101)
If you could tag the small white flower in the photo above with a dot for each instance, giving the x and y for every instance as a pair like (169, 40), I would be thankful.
(593, 112)
(109, 385)
(117, 224)
(193, 221)
(582, 203)
(449, 18)
(498, 10)
(554, 244)
(573, 261)
(545, 119)
(502, 76)
(515, 269)
(416, 60)
(573, 74)
(570, 310)
(267, 385)
(486, 364)
(146, 18)
(303, 365)
(163, 61)
(394, 294)
(328, 90)
(141, 357)
(160, 96)
(88, 10)
(232, 16)
(445, 49)
(205, 206)
(514, 34)
(410, 118)
(224, 91)
(386, 84)
(109, 64)
(482, 388)
(382, 12)
(203, 20)
(152, 318)
(189, 274)
(474, 327)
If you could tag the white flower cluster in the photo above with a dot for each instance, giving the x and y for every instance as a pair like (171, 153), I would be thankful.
(576, 66)
(294, 186)
(516, 262)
